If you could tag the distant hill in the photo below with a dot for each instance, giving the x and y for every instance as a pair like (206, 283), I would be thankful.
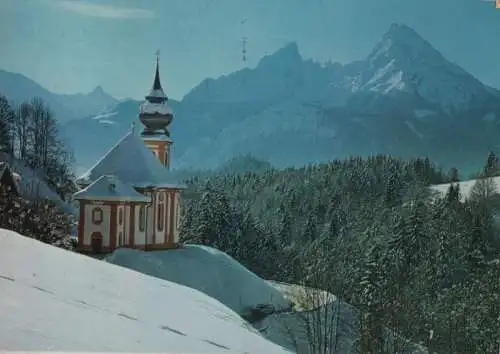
(18, 88)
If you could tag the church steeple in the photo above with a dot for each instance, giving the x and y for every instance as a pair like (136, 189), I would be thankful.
(157, 94)
(156, 115)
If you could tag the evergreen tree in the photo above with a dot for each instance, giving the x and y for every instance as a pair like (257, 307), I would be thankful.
(6, 125)
(491, 166)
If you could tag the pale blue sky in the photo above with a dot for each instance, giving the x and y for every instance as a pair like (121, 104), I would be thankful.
(72, 46)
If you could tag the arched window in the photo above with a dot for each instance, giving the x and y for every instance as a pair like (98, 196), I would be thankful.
(120, 239)
(161, 211)
(142, 218)
(97, 216)
(120, 216)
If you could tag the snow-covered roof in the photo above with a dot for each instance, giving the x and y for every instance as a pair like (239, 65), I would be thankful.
(157, 93)
(109, 188)
(162, 108)
(45, 307)
(208, 270)
(132, 163)
(32, 186)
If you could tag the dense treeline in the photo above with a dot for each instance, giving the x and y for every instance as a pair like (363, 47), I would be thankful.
(29, 132)
(423, 266)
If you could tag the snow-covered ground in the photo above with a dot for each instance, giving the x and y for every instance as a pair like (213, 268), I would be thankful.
(334, 325)
(205, 269)
(52, 299)
(465, 187)
(304, 298)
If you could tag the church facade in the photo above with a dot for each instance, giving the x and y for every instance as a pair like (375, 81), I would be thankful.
(129, 197)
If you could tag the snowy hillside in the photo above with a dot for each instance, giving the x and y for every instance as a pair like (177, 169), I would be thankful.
(205, 269)
(51, 299)
(465, 188)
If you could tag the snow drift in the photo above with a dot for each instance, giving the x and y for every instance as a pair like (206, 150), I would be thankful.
(205, 269)
(52, 299)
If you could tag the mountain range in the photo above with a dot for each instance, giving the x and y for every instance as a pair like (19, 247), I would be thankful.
(404, 98)
(19, 88)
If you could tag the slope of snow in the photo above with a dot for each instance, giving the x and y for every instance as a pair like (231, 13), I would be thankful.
(106, 121)
(465, 188)
(205, 269)
(105, 115)
(413, 129)
(423, 113)
(52, 299)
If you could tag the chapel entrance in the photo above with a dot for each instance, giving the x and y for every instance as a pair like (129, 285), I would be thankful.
(96, 242)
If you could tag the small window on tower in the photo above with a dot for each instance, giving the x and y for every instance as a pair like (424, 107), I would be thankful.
(120, 216)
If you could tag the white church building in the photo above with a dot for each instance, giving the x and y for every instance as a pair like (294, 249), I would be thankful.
(129, 198)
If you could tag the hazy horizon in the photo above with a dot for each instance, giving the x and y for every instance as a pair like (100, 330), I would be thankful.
(74, 46)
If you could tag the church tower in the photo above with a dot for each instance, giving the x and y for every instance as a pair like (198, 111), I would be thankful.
(156, 115)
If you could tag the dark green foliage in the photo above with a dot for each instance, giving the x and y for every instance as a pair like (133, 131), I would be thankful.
(491, 167)
(6, 125)
(39, 220)
(409, 262)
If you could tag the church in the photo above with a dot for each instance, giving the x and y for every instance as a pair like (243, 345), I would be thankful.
(129, 198)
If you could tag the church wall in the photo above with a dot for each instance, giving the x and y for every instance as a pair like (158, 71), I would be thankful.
(120, 226)
(126, 224)
(161, 149)
(177, 216)
(171, 216)
(150, 232)
(103, 226)
(139, 235)
(160, 220)
(144, 226)
(168, 211)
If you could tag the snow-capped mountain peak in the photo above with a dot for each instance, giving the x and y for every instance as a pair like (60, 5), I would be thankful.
(405, 62)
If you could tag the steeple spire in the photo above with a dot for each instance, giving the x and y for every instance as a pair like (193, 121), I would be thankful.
(156, 94)
(155, 113)
(157, 83)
